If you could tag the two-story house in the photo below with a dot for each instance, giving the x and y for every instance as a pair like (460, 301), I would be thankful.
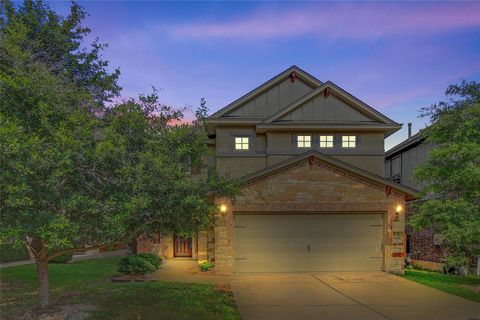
(310, 160)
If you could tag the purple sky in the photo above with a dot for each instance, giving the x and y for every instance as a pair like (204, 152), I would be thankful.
(395, 56)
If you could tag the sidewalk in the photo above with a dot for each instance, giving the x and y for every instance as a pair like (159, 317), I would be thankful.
(100, 255)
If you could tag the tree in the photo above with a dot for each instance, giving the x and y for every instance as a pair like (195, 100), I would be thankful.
(76, 174)
(34, 34)
(451, 174)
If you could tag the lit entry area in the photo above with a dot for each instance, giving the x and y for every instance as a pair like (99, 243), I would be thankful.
(309, 242)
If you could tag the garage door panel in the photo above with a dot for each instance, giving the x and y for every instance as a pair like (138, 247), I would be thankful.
(313, 242)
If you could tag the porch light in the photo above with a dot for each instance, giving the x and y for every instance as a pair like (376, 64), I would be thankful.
(399, 209)
(223, 208)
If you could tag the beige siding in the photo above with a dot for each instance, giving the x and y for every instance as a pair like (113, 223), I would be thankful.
(325, 109)
(279, 141)
(273, 100)
(373, 164)
(237, 167)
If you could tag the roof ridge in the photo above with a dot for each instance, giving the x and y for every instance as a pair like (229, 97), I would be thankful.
(264, 86)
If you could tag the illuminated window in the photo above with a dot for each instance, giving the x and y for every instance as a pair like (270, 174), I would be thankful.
(326, 141)
(349, 141)
(241, 143)
(304, 141)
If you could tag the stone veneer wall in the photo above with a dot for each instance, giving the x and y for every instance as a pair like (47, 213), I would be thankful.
(314, 186)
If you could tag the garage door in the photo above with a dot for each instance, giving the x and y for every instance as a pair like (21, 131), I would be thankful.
(313, 242)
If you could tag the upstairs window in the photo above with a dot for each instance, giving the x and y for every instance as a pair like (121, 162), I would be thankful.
(242, 143)
(326, 141)
(349, 141)
(304, 141)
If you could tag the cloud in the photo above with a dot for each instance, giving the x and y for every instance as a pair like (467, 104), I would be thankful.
(357, 21)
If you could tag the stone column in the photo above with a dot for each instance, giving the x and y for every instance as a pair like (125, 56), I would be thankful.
(224, 256)
(395, 240)
(202, 246)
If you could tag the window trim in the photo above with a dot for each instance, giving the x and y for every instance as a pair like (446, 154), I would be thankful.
(327, 141)
(297, 141)
(241, 143)
(348, 141)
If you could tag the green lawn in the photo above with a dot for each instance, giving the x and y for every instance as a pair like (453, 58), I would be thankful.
(467, 287)
(87, 283)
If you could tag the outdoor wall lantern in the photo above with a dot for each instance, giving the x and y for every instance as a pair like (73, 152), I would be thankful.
(223, 208)
(399, 209)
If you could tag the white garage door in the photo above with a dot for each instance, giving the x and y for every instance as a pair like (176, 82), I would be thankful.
(311, 242)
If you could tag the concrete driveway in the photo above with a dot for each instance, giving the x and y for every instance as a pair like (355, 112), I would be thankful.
(344, 295)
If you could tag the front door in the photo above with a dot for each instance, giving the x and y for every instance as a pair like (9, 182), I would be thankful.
(182, 247)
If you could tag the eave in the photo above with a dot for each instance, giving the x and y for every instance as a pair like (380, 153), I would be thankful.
(388, 129)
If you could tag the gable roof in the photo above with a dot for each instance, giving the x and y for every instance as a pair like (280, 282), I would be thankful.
(301, 74)
(353, 101)
(279, 166)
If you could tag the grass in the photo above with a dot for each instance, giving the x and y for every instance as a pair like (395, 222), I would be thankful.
(467, 287)
(87, 282)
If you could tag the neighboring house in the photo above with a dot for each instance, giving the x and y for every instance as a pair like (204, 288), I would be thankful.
(310, 160)
(424, 247)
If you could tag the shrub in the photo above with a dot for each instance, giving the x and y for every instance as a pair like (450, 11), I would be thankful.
(9, 253)
(205, 266)
(64, 258)
(152, 258)
(135, 265)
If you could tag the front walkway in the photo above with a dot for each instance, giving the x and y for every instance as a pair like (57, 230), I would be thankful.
(344, 295)
(187, 270)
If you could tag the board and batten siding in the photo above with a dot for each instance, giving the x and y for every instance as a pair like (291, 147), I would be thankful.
(320, 109)
(273, 100)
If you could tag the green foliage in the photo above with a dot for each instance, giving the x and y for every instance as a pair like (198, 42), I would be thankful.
(462, 286)
(146, 300)
(74, 172)
(64, 258)
(205, 266)
(10, 252)
(32, 35)
(135, 265)
(451, 174)
(152, 258)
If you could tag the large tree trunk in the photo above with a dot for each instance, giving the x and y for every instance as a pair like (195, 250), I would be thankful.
(42, 277)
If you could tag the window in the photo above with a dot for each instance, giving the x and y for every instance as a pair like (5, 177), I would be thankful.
(241, 143)
(348, 141)
(304, 141)
(326, 141)
(396, 178)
